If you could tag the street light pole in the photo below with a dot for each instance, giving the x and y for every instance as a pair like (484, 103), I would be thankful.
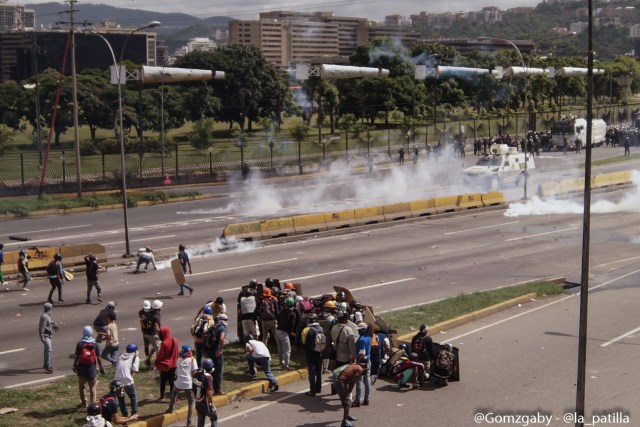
(118, 71)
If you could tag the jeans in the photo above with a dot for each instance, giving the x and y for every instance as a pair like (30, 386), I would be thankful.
(366, 379)
(47, 353)
(190, 401)
(130, 390)
(55, 284)
(110, 353)
(90, 285)
(265, 364)
(314, 367)
(284, 347)
(203, 414)
(218, 365)
(169, 376)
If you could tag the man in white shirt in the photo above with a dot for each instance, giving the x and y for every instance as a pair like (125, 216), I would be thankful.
(187, 367)
(128, 364)
(257, 352)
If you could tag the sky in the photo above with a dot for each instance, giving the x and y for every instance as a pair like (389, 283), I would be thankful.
(249, 9)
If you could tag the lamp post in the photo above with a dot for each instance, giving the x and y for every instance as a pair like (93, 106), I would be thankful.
(63, 159)
(118, 71)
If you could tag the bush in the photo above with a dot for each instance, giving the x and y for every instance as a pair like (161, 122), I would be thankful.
(19, 211)
(156, 196)
(87, 149)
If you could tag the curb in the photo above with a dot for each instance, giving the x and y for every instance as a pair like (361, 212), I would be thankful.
(260, 387)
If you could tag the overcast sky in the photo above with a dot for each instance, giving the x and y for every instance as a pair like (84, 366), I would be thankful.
(249, 9)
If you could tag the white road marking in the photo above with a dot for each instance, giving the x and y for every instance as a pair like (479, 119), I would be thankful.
(137, 240)
(383, 284)
(540, 234)
(56, 229)
(619, 337)
(12, 351)
(43, 380)
(616, 261)
(243, 266)
(480, 228)
(315, 275)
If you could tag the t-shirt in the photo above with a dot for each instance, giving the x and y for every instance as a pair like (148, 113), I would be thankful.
(101, 318)
(259, 349)
(145, 317)
(88, 371)
(127, 362)
(363, 344)
(184, 260)
(186, 365)
(109, 408)
(112, 334)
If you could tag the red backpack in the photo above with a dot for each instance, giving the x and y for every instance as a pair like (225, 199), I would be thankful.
(87, 354)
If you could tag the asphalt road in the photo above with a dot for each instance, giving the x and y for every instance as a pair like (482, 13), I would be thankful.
(390, 266)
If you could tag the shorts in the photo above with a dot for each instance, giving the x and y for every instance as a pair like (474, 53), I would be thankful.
(343, 392)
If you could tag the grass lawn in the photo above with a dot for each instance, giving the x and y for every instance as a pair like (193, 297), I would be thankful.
(54, 405)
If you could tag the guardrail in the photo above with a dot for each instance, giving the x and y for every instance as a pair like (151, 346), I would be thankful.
(571, 186)
(39, 257)
(314, 223)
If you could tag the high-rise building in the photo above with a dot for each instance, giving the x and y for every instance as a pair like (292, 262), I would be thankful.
(297, 37)
(14, 17)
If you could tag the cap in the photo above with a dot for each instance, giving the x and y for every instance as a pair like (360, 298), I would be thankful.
(111, 304)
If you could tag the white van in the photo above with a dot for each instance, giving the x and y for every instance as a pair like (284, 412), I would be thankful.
(572, 128)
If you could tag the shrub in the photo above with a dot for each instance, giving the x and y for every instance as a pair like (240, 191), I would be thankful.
(156, 196)
(19, 211)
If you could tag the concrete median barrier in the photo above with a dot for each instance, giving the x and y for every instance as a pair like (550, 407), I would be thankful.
(447, 204)
(277, 227)
(621, 178)
(424, 207)
(371, 215)
(396, 211)
(243, 231)
(312, 223)
(470, 201)
(493, 198)
(340, 219)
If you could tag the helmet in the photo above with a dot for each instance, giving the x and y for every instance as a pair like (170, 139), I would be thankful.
(341, 296)
(249, 337)
(21, 253)
(146, 305)
(116, 387)
(157, 304)
(57, 257)
(94, 409)
(132, 348)
(289, 302)
(253, 283)
(223, 317)
(424, 327)
(268, 282)
(404, 347)
(313, 318)
(330, 305)
(289, 286)
(448, 346)
(363, 360)
(207, 364)
(92, 257)
(181, 247)
(207, 310)
(186, 348)
(413, 357)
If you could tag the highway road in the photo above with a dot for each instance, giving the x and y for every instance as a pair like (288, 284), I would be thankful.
(390, 266)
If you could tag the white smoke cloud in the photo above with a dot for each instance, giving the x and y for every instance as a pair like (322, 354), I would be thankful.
(211, 249)
(630, 202)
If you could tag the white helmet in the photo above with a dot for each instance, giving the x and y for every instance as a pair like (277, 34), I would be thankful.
(157, 304)
(146, 305)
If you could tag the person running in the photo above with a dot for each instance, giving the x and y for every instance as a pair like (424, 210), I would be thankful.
(92, 270)
(183, 257)
(55, 272)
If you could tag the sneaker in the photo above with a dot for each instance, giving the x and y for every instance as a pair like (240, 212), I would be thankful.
(180, 294)
(88, 301)
(310, 393)
(346, 424)
(365, 402)
(48, 370)
(355, 404)
(274, 387)
(219, 393)
(374, 378)
(352, 418)
(190, 291)
(99, 298)
(253, 376)
(60, 301)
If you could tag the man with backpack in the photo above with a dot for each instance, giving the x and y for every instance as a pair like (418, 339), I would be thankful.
(203, 396)
(146, 325)
(201, 324)
(92, 270)
(268, 313)
(422, 345)
(213, 347)
(314, 341)
(444, 365)
(127, 365)
(84, 365)
(286, 329)
(55, 273)
(109, 405)
(248, 311)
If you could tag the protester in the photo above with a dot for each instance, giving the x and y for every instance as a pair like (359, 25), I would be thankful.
(313, 353)
(167, 360)
(94, 417)
(258, 353)
(183, 257)
(344, 379)
(23, 269)
(55, 273)
(201, 324)
(84, 365)
(202, 387)
(156, 324)
(109, 407)
(92, 270)
(363, 348)
(46, 328)
(127, 365)
(285, 331)
(186, 368)
(111, 342)
(102, 319)
(145, 255)
(146, 326)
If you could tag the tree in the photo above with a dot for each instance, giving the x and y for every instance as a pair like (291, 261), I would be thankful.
(14, 101)
(202, 135)
(6, 138)
(96, 108)
(384, 53)
(299, 130)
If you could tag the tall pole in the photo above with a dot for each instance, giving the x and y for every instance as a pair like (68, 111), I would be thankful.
(586, 239)
(74, 90)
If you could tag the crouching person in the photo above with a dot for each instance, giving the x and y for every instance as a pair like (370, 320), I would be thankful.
(203, 394)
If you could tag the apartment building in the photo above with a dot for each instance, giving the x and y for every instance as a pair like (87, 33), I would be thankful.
(14, 17)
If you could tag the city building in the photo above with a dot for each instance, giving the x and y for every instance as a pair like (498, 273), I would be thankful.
(14, 17)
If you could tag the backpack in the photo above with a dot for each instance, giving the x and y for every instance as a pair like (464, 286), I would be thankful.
(199, 386)
(103, 401)
(267, 309)
(210, 338)
(319, 340)
(87, 354)
(306, 305)
(200, 326)
(444, 360)
(418, 347)
(52, 268)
